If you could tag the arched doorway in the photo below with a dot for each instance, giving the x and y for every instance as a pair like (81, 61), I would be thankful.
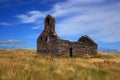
(71, 52)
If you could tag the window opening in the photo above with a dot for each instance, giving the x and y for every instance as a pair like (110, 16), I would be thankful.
(47, 39)
(48, 21)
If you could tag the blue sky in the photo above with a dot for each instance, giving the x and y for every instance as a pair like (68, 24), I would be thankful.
(21, 21)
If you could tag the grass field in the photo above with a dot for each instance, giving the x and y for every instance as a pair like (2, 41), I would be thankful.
(23, 64)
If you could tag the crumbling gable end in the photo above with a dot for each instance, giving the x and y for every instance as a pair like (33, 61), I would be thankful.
(87, 40)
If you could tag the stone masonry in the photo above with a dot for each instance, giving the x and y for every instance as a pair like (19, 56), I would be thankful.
(49, 42)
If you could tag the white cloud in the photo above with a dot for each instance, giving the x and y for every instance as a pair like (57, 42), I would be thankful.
(30, 17)
(86, 1)
(37, 27)
(12, 44)
(10, 41)
(100, 22)
(32, 35)
(75, 17)
(5, 23)
(72, 7)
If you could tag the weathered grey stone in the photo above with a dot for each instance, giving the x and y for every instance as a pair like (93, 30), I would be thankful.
(49, 42)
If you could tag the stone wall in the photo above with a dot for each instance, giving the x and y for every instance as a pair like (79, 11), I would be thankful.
(49, 42)
(76, 49)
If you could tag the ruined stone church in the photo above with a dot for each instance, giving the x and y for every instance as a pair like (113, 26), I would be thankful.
(50, 43)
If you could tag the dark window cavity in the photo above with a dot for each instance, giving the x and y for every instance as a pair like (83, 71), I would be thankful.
(48, 21)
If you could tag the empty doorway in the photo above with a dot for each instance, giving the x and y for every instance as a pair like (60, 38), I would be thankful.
(71, 52)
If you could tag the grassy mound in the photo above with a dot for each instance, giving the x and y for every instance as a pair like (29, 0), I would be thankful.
(21, 64)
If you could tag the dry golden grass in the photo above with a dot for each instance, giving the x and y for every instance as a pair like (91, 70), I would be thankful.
(21, 64)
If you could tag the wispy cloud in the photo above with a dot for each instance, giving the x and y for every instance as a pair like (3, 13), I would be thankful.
(37, 27)
(12, 44)
(86, 1)
(100, 22)
(96, 18)
(10, 41)
(32, 35)
(5, 24)
(30, 17)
